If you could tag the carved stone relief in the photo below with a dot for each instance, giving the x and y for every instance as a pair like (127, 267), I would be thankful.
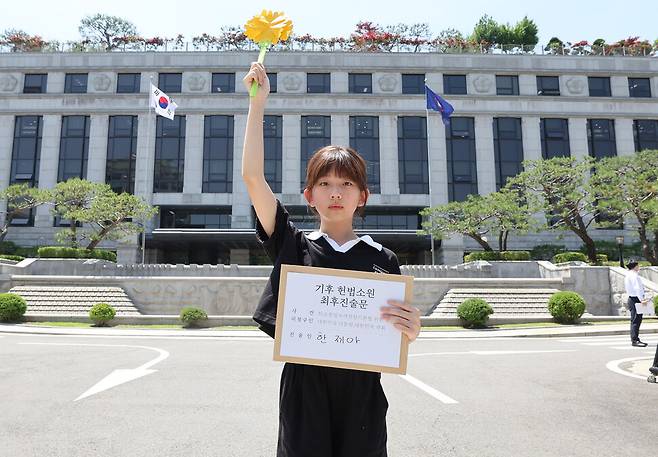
(575, 85)
(387, 83)
(101, 82)
(8, 83)
(292, 82)
(482, 84)
(196, 82)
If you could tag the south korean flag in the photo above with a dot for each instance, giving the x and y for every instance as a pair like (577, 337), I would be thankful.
(163, 105)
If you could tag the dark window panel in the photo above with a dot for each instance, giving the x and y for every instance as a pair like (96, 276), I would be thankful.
(273, 82)
(360, 83)
(601, 138)
(273, 143)
(507, 85)
(121, 153)
(364, 137)
(35, 84)
(548, 85)
(218, 154)
(454, 84)
(645, 134)
(508, 149)
(599, 86)
(223, 83)
(316, 133)
(73, 148)
(169, 154)
(413, 83)
(412, 155)
(639, 87)
(318, 83)
(128, 83)
(170, 83)
(554, 138)
(75, 83)
(462, 169)
(25, 159)
(195, 217)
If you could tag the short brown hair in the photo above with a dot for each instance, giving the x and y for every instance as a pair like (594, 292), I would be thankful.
(342, 161)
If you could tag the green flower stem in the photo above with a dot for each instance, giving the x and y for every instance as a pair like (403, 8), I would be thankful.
(261, 58)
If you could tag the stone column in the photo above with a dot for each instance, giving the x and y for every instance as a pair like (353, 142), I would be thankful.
(340, 129)
(145, 161)
(51, 131)
(56, 82)
(291, 154)
(438, 160)
(486, 165)
(339, 82)
(578, 137)
(619, 86)
(388, 156)
(193, 171)
(97, 158)
(527, 84)
(6, 146)
(241, 210)
(531, 138)
(624, 137)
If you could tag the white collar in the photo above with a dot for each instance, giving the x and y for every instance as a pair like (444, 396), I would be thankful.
(347, 246)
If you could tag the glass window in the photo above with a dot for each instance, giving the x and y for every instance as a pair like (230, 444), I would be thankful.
(364, 137)
(507, 85)
(273, 137)
(381, 218)
(601, 138)
(75, 83)
(645, 133)
(128, 83)
(462, 168)
(554, 138)
(170, 83)
(548, 85)
(639, 87)
(599, 86)
(223, 83)
(273, 82)
(318, 83)
(121, 153)
(35, 84)
(73, 148)
(195, 218)
(26, 152)
(218, 154)
(508, 149)
(169, 154)
(316, 133)
(413, 84)
(360, 83)
(454, 84)
(412, 155)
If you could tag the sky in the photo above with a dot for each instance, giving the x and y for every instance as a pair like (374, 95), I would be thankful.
(568, 20)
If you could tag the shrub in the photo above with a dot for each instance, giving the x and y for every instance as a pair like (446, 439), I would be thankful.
(8, 247)
(101, 314)
(76, 253)
(566, 307)
(190, 316)
(655, 304)
(17, 258)
(601, 259)
(474, 312)
(496, 255)
(515, 255)
(611, 249)
(569, 257)
(546, 251)
(12, 307)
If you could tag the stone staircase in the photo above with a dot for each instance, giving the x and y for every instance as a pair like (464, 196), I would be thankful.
(505, 302)
(74, 300)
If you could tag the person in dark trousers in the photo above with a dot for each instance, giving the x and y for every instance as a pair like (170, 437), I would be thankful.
(323, 412)
(635, 292)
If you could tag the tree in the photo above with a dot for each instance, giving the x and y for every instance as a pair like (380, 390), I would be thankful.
(21, 41)
(20, 199)
(72, 199)
(105, 30)
(523, 32)
(628, 187)
(510, 214)
(559, 187)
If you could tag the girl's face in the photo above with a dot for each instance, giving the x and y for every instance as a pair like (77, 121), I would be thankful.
(335, 198)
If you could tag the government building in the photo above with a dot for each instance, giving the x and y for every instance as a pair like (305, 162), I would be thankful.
(87, 115)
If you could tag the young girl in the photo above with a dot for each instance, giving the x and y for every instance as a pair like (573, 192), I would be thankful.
(323, 412)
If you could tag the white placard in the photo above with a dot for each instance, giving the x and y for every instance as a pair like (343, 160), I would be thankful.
(332, 318)
(647, 309)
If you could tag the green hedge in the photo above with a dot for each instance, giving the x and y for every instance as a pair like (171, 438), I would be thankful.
(546, 251)
(101, 314)
(655, 304)
(474, 312)
(17, 258)
(58, 252)
(566, 306)
(190, 316)
(12, 307)
(496, 255)
(611, 249)
(569, 257)
(8, 247)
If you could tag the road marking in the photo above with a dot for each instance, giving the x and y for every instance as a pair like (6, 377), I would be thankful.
(429, 390)
(119, 376)
(614, 367)
(492, 352)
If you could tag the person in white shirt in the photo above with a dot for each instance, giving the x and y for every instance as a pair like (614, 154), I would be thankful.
(635, 291)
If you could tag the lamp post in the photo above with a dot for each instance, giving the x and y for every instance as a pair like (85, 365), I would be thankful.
(620, 244)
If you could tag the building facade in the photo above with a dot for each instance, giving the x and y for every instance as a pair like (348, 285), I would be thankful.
(86, 114)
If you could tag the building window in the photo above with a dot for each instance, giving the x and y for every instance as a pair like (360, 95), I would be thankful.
(218, 154)
(35, 84)
(380, 218)
(645, 133)
(73, 148)
(462, 169)
(554, 138)
(318, 83)
(195, 218)
(75, 83)
(360, 83)
(25, 156)
(273, 80)
(601, 138)
(272, 137)
(413, 84)
(316, 133)
(128, 83)
(454, 84)
(170, 83)
(169, 154)
(639, 87)
(507, 85)
(121, 153)
(599, 86)
(548, 85)
(364, 137)
(412, 155)
(223, 83)
(508, 149)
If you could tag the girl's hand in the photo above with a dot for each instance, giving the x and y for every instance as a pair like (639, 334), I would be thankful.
(257, 73)
(403, 316)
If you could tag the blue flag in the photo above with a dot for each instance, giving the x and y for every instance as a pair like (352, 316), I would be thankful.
(436, 103)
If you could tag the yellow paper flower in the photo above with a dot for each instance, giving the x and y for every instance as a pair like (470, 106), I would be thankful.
(268, 26)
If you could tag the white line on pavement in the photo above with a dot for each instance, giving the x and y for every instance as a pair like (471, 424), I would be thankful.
(492, 352)
(613, 366)
(429, 390)
(618, 342)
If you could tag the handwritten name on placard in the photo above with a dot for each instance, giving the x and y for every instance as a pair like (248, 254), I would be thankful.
(331, 317)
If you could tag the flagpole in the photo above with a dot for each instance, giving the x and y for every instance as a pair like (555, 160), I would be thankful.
(148, 143)
(429, 177)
